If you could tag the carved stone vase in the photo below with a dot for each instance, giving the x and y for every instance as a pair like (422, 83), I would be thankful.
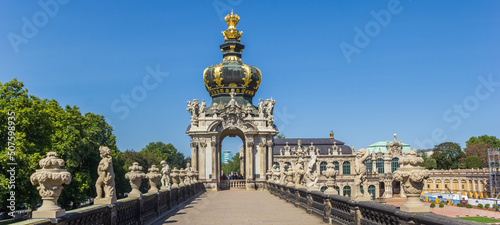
(289, 177)
(50, 178)
(412, 178)
(153, 176)
(135, 177)
(331, 176)
(175, 177)
(182, 175)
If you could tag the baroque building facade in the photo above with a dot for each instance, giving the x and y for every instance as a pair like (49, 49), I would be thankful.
(383, 160)
(473, 183)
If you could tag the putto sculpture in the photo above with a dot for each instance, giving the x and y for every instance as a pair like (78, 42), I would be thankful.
(135, 177)
(50, 178)
(412, 177)
(360, 176)
(153, 176)
(106, 178)
(165, 179)
(311, 176)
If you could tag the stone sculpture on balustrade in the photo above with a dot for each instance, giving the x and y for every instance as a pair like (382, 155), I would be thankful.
(153, 176)
(50, 178)
(331, 175)
(282, 177)
(135, 177)
(412, 177)
(360, 181)
(189, 174)
(311, 176)
(299, 173)
(175, 177)
(182, 175)
(165, 178)
(106, 180)
(276, 174)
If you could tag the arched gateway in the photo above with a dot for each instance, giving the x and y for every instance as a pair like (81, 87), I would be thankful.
(232, 85)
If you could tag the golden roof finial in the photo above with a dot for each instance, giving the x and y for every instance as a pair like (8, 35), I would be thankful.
(231, 32)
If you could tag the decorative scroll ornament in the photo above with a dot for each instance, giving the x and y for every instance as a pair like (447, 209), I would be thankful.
(248, 74)
(231, 32)
(50, 178)
(217, 75)
(153, 176)
(412, 177)
(135, 177)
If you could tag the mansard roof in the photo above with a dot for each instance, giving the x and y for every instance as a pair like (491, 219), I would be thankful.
(323, 144)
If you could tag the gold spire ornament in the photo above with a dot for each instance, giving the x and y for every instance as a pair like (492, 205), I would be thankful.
(231, 32)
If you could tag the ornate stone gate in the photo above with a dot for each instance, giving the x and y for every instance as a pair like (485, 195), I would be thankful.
(232, 85)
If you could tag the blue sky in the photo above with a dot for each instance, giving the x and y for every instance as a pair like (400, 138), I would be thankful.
(430, 73)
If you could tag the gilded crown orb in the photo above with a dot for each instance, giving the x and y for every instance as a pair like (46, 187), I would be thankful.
(232, 20)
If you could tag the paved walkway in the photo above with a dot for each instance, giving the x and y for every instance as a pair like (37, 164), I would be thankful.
(241, 207)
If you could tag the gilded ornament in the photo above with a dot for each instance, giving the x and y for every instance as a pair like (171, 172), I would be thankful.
(260, 78)
(217, 73)
(248, 74)
(205, 77)
(231, 32)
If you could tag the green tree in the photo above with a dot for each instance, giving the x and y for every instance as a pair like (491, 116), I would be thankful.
(232, 165)
(492, 140)
(166, 152)
(473, 162)
(447, 154)
(480, 150)
(41, 126)
(430, 163)
(280, 136)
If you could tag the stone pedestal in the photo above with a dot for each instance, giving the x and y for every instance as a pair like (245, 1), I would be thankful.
(135, 177)
(50, 178)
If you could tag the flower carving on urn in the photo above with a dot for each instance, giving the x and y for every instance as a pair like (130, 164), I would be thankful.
(135, 177)
(153, 176)
(50, 179)
(412, 178)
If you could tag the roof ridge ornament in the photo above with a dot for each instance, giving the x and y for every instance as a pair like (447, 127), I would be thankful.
(231, 32)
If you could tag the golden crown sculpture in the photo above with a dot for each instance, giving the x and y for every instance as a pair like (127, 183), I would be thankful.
(231, 32)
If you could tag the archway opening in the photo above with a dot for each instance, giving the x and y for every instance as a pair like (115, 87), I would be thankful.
(232, 160)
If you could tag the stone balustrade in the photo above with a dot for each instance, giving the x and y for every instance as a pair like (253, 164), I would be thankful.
(126, 211)
(336, 209)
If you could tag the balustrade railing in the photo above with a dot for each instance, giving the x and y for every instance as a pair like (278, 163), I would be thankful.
(233, 184)
(127, 211)
(336, 209)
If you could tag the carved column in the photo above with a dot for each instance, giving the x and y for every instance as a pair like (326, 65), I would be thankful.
(202, 169)
(214, 159)
(270, 145)
(249, 158)
(50, 178)
(262, 165)
(194, 155)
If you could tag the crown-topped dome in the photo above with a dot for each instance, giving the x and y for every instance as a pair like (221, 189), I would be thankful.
(232, 73)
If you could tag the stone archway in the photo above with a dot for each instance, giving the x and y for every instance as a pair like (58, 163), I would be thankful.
(209, 128)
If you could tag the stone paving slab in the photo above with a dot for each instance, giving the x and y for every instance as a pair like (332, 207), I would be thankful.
(240, 207)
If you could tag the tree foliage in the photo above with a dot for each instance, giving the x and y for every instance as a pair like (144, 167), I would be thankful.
(480, 150)
(42, 126)
(232, 165)
(447, 154)
(473, 162)
(280, 136)
(492, 140)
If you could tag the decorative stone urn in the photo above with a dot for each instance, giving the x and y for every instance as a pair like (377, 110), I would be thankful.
(153, 176)
(175, 177)
(50, 178)
(289, 177)
(135, 177)
(331, 175)
(412, 178)
(182, 175)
